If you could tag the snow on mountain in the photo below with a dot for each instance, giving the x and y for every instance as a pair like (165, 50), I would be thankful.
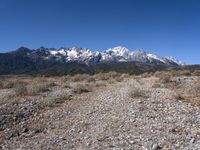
(152, 56)
(118, 51)
(116, 54)
(175, 60)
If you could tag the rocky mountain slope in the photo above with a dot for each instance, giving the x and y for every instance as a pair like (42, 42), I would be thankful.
(25, 60)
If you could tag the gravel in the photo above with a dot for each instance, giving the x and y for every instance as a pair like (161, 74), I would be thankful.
(108, 118)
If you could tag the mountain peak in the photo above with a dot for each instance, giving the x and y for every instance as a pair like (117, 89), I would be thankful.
(118, 51)
(85, 55)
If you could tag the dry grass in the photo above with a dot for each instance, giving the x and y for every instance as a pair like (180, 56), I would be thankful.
(35, 85)
(21, 89)
(165, 78)
(147, 74)
(188, 91)
(80, 77)
(183, 83)
(37, 88)
(196, 73)
(137, 92)
(8, 84)
(178, 73)
(1, 85)
(179, 96)
(80, 88)
(54, 101)
(112, 76)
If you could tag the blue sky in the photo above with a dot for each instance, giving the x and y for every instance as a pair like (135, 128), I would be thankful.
(164, 27)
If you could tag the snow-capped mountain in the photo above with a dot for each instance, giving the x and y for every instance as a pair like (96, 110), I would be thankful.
(87, 56)
(61, 61)
(116, 54)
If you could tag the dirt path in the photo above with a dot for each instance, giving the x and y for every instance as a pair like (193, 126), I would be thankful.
(109, 118)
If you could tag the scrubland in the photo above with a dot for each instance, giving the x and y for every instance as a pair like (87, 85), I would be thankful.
(158, 110)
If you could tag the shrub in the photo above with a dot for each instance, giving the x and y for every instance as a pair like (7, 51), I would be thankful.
(53, 101)
(9, 84)
(20, 89)
(179, 96)
(136, 92)
(107, 76)
(67, 85)
(101, 76)
(185, 73)
(1, 85)
(80, 77)
(165, 78)
(81, 88)
(146, 75)
(196, 73)
(156, 85)
(36, 88)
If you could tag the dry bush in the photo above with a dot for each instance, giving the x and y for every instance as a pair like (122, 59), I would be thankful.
(196, 73)
(163, 81)
(8, 84)
(185, 73)
(65, 78)
(109, 75)
(176, 73)
(121, 77)
(179, 96)
(36, 88)
(125, 75)
(99, 84)
(198, 80)
(67, 85)
(194, 90)
(101, 76)
(1, 85)
(159, 74)
(54, 101)
(156, 84)
(147, 74)
(20, 89)
(79, 77)
(91, 79)
(113, 74)
(33, 88)
(136, 92)
(165, 78)
(189, 89)
(188, 92)
(137, 78)
(80, 88)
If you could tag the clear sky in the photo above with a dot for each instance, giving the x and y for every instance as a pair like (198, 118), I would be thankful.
(164, 27)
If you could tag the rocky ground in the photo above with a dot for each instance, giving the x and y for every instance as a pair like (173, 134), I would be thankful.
(114, 116)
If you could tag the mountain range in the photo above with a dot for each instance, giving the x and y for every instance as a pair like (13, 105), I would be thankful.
(87, 56)
(83, 60)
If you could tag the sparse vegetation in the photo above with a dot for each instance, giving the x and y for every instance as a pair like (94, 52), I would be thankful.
(137, 92)
(1, 85)
(54, 101)
(80, 88)
(157, 93)
(80, 77)
(37, 88)
(165, 78)
(179, 96)
(20, 89)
